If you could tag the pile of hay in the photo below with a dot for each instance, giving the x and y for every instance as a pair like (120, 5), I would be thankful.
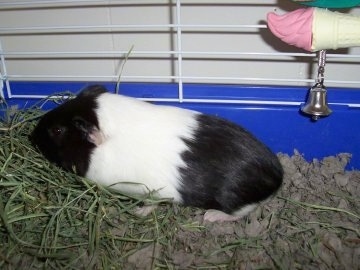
(52, 219)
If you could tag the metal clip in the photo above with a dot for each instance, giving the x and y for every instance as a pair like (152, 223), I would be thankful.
(321, 67)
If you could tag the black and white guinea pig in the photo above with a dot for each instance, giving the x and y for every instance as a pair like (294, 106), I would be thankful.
(196, 159)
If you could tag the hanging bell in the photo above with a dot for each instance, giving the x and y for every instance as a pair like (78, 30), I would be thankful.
(316, 104)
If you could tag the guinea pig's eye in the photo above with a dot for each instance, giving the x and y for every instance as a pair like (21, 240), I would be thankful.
(56, 131)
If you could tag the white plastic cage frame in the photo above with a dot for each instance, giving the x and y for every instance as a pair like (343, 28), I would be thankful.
(258, 63)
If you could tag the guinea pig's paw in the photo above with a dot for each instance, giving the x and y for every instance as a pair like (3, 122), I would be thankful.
(212, 215)
(145, 210)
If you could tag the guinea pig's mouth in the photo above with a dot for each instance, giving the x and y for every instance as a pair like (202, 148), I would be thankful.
(31, 138)
(37, 142)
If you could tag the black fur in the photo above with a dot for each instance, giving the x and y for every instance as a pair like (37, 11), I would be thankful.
(62, 134)
(227, 167)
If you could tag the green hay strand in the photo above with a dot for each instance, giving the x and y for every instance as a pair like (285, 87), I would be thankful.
(320, 207)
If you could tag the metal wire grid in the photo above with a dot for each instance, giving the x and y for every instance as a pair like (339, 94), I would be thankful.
(178, 53)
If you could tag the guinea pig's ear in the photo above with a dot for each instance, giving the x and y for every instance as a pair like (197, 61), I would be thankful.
(92, 90)
(89, 130)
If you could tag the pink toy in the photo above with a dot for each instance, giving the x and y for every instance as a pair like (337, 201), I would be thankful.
(315, 29)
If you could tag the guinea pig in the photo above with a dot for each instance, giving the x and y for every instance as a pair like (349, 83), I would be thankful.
(197, 159)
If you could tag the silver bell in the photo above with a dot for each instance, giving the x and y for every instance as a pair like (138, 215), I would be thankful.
(316, 104)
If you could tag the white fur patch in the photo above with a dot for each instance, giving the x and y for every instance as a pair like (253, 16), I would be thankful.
(141, 143)
(145, 210)
(245, 210)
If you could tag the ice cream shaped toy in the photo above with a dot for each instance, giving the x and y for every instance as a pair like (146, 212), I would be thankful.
(314, 29)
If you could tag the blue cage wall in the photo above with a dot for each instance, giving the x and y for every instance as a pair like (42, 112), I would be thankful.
(275, 118)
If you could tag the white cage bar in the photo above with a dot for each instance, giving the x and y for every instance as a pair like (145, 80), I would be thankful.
(178, 55)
